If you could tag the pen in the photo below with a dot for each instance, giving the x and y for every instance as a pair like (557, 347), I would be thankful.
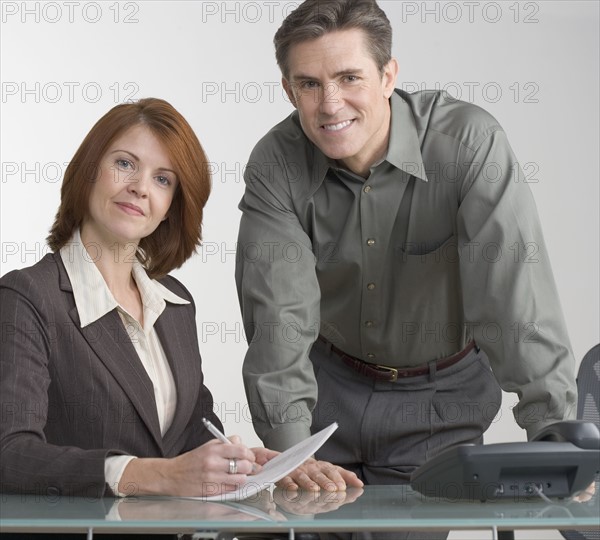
(215, 431)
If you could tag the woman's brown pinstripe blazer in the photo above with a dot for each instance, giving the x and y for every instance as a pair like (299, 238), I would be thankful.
(72, 396)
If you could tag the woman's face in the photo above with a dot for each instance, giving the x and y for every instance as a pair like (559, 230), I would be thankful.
(133, 191)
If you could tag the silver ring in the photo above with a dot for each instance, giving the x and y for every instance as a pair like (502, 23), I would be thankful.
(233, 466)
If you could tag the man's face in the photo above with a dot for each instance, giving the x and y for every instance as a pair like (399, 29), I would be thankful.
(342, 98)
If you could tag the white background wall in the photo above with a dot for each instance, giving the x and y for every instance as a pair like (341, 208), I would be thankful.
(533, 65)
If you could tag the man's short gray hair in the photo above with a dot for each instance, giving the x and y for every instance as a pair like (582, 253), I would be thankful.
(314, 18)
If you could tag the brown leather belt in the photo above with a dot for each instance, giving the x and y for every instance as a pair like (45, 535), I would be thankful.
(388, 373)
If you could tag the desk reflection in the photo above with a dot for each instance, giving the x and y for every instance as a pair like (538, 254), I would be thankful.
(266, 506)
(374, 508)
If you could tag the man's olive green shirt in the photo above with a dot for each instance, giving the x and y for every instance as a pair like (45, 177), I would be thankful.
(439, 245)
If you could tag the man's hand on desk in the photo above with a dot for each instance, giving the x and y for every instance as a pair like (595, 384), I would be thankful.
(312, 475)
(315, 475)
(586, 495)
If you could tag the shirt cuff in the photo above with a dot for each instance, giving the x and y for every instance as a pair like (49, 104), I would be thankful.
(534, 429)
(113, 471)
(286, 435)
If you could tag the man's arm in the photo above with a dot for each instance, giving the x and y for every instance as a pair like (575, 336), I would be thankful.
(279, 296)
(510, 298)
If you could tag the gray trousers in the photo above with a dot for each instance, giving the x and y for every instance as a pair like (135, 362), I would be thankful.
(388, 429)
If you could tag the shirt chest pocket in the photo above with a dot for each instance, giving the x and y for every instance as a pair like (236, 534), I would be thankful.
(427, 280)
(427, 251)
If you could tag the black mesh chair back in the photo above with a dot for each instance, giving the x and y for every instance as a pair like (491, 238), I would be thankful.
(588, 387)
(588, 408)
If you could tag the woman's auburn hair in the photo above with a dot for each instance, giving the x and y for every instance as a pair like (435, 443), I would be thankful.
(177, 237)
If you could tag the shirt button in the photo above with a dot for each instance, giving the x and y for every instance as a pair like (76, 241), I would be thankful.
(366, 189)
(371, 286)
(371, 242)
(370, 356)
(368, 324)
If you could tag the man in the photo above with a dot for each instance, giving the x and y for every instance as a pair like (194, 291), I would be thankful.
(390, 254)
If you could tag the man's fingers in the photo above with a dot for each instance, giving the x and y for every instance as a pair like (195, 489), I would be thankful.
(304, 481)
(319, 475)
(287, 483)
(325, 482)
(300, 479)
(316, 475)
(330, 480)
(350, 478)
(587, 494)
(333, 478)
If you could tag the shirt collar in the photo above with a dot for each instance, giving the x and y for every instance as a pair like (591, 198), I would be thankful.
(404, 149)
(93, 298)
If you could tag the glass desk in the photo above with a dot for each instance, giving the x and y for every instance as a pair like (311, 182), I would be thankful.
(374, 508)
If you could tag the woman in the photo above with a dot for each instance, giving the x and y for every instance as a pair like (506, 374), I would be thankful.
(100, 364)
(100, 373)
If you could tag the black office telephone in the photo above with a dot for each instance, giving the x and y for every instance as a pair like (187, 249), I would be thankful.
(562, 460)
(582, 434)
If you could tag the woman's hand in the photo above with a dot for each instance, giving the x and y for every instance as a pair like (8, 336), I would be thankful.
(201, 472)
(263, 455)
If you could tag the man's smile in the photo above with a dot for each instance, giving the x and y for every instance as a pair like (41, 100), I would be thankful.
(337, 127)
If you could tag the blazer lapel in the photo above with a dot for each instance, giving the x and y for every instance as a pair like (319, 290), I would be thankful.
(109, 340)
(178, 337)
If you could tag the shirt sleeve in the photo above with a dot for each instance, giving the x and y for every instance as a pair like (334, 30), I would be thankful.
(511, 303)
(279, 297)
(113, 471)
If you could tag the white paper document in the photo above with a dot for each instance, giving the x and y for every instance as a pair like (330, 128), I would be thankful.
(277, 468)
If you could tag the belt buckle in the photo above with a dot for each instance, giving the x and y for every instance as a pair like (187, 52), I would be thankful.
(389, 369)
